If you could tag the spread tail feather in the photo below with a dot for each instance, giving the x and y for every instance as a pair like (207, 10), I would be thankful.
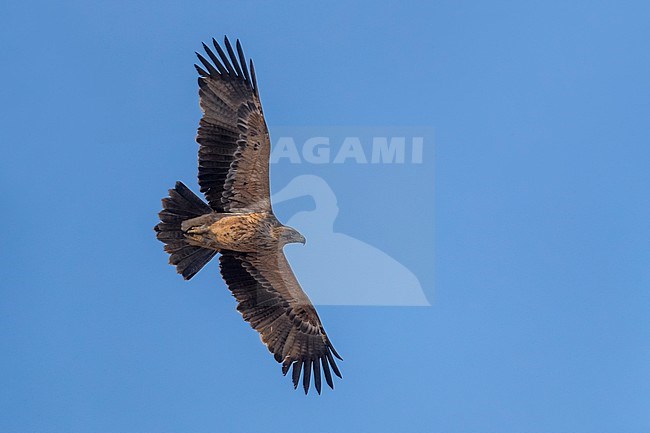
(182, 204)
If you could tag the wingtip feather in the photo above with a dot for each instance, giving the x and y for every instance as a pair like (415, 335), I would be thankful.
(253, 77)
(306, 375)
(295, 373)
(201, 71)
(223, 56)
(242, 61)
(332, 363)
(334, 351)
(327, 373)
(317, 378)
(233, 58)
(207, 65)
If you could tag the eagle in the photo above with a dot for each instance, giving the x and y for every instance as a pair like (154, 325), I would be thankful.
(238, 223)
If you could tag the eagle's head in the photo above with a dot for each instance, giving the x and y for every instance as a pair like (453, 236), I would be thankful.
(289, 235)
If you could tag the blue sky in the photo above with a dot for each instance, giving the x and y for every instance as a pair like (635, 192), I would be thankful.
(530, 237)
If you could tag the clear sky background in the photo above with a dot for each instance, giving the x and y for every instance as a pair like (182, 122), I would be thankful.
(540, 279)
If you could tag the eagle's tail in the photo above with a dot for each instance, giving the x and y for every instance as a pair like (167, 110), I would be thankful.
(182, 204)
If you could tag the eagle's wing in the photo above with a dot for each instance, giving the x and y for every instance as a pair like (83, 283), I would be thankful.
(271, 300)
(233, 139)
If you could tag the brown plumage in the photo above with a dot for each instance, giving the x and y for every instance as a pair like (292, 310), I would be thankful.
(238, 221)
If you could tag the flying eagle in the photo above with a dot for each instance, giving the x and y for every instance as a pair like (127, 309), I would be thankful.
(238, 223)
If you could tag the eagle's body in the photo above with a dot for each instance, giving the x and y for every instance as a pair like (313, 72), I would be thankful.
(238, 221)
(241, 232)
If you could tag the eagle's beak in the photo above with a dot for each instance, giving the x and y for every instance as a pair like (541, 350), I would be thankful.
(303, 240)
